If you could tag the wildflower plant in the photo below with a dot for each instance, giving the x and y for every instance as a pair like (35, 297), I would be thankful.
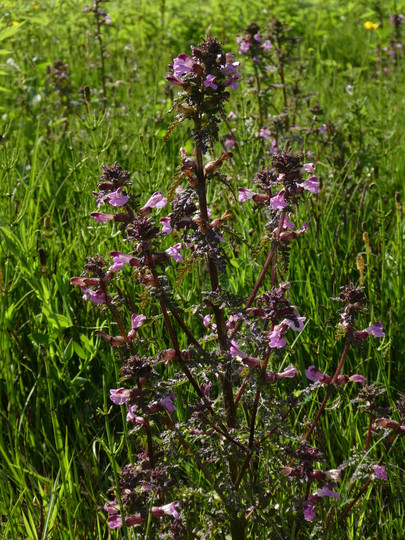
(241, 425)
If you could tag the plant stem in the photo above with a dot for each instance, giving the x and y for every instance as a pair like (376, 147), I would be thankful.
(226, 379)
(236, 523)
(221, 428)
(328, 392)
(101, 50)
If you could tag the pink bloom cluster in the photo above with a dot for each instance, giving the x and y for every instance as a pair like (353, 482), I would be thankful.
(313, 374)
(186, 68)
(115, 519)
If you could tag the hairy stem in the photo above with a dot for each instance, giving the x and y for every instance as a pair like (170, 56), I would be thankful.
(328, 393)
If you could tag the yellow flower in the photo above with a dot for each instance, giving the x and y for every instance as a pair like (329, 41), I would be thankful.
(15, 23)
(370, 25)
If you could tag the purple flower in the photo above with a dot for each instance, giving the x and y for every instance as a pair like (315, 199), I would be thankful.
(278, 202)
(107, 19)
(156, 201)
(244, 46)
(229, 143)
(167, 228)
(380, 472)
(120, 396)
(167, 403)
(311, 184)
(357, 378)
(257, 37)
(231, 72)
(296, 324)
(102, 218)
(265, 133)
(136, 322)
(182, 65)
(309, 167)
(173, 251)
(245, 194)
(111, 507)
(313, 374)
(235, 351)
(325, 491)
(121, 259)
(132, 417)
(116, 198)
(210, 82)
(287, 224)
(309, 511)
(115, 521)
(206, 320)
(376, 329)
(276, 341)
(288, 373)
(171, 509)
(98, 297)
(266, 46)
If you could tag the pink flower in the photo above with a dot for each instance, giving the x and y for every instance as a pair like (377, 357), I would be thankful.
(296, 324)
(111, 507)
(265, 133)
(136, 322)
(357, 378)
(288, 373)
(376, 329)
(266, 46)
(102, 218)
(171, 509)
(120, 396)
(278, 202)
(156, 201)
(311, 184)
(121, 259)
(380, 472)
(235, 351)
(98, 297)
(167, 403)
(276, 341)
(245, 194)
(173, 251)
(166, 228)
(182, 65)
(229, 143)
(210, 82)
(244, 47)
(206, 320)
(131, 416)
(309, 511)
(313, 374)
(309, 167)
(257, 37)
(325, 491)
(115, 521)
(116, 198)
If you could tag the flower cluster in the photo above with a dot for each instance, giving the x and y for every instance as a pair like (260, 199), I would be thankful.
(253, 43)
(205, 78)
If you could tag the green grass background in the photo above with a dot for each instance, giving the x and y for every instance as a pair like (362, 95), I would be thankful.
(59, 440)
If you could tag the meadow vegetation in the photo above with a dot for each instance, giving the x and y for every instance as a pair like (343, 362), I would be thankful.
(83, 89)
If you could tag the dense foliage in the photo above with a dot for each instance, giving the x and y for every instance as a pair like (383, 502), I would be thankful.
(248, 244)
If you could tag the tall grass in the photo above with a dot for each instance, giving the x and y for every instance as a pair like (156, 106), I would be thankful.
(60, 443)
